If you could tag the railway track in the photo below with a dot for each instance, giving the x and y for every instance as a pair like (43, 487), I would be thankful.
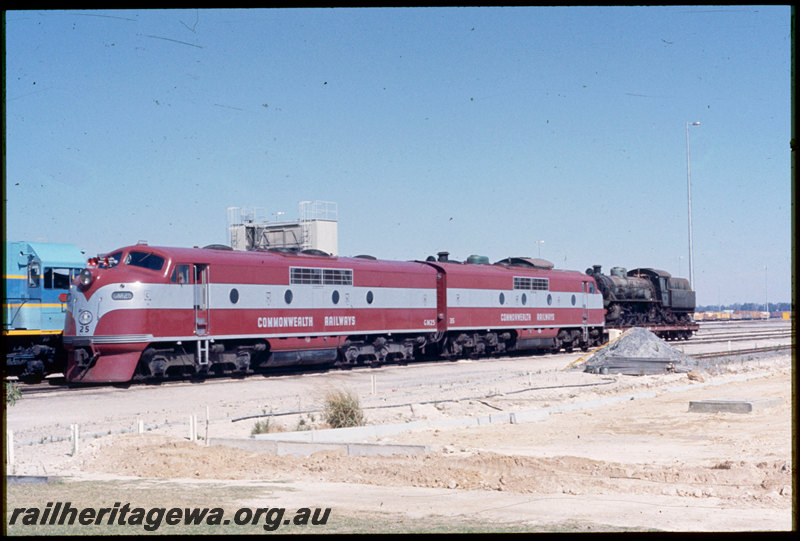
(738, 337)
(749, 351)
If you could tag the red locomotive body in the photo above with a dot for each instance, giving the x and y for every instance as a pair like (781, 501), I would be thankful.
(152, 311)
(519, 304)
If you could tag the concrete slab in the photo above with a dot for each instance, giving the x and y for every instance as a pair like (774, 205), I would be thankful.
(306, 448)
(732, 405)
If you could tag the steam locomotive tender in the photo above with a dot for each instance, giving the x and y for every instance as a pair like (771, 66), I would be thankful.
(143, 312)
(648, 298)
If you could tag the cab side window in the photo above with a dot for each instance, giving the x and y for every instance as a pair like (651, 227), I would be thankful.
(34, 274)
(56, 278)
(180, 275)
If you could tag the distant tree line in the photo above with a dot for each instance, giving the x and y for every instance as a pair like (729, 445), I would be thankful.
(746, 307)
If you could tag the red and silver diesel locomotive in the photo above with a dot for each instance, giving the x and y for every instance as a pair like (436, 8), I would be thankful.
(143, 311)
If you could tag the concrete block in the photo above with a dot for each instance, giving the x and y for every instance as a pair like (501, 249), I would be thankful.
(732, 405)
(303, 448)
(248, 444)
(306, 448)
(528, 416)
(385, 449)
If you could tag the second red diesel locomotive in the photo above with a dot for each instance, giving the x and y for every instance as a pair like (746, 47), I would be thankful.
(145, 311)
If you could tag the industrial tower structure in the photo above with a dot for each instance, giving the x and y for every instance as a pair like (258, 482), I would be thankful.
(315, 229)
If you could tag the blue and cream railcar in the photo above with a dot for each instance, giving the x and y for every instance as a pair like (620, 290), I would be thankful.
(37, 277)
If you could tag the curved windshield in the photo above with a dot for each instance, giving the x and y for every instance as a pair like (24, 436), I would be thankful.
(147, 260)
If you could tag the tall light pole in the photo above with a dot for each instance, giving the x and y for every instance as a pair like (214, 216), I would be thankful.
(539, 243)
(689, 190)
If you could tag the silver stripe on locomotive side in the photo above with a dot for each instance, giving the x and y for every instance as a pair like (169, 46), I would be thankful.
(259, 297)
(490, 298)
(121, 339)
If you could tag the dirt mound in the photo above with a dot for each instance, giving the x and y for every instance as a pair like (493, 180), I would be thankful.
(150, 456)
(638, 351)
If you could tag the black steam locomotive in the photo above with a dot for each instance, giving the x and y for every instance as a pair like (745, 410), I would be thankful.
(649, 298)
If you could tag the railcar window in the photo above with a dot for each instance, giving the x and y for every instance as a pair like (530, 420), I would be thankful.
(180, 275)
(313, 276)
(534, 284)
(57, 278)
(147, 260)
(34, 271)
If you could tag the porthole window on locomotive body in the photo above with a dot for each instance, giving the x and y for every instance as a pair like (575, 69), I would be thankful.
(335, 297)
(524, 299)
(234, 296)
(573, 300)
(370, 297)
(502, 298)
(288, 296)
(549, 300)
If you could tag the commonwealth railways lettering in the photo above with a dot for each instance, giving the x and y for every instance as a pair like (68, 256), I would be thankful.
(515, 317)
(282, 322)
(340, 321)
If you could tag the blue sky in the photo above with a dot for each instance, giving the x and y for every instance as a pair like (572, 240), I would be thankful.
(470, 130)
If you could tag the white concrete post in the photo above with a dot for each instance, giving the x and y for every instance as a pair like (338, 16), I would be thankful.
(207, 421)
(75, 439)
(10, 450)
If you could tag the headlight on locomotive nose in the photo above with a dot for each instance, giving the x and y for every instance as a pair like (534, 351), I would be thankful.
(85, 278)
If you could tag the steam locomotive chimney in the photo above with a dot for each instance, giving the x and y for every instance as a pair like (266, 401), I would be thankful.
(443, 256)
(597, 269)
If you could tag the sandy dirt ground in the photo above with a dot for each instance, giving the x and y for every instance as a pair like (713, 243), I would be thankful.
(642, 462)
